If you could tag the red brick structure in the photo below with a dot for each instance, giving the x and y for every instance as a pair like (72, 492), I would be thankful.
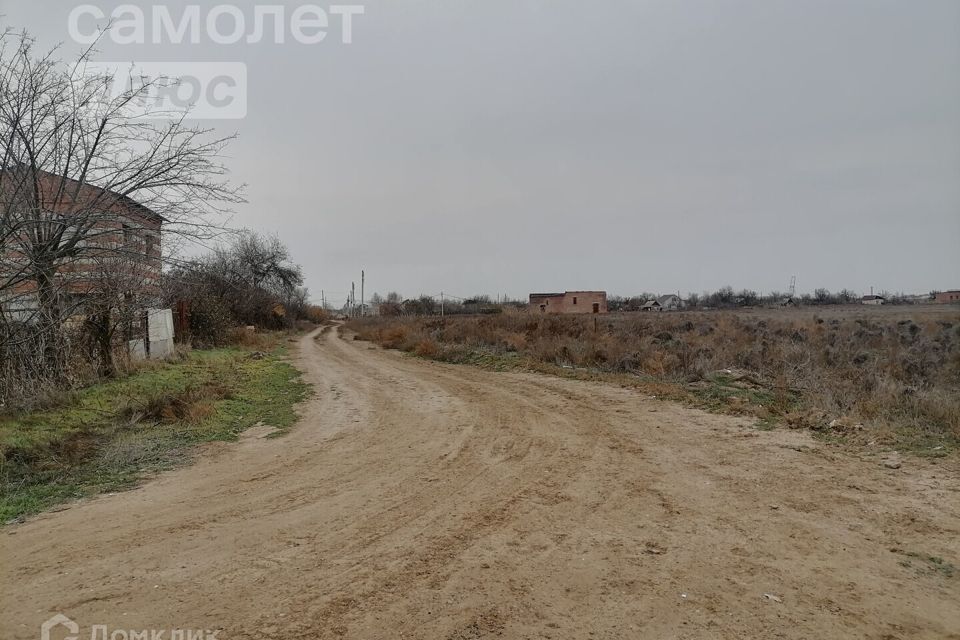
(569, 302)
(120, 238)
(948, 297)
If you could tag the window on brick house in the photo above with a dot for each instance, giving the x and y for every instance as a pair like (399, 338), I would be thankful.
(127, 235)
(150, 243)
(574, 299)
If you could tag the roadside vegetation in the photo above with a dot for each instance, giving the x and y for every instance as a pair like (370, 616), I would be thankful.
(108, 436)
(94, 195)
(99, 432)
(97, 202)
(860, 376)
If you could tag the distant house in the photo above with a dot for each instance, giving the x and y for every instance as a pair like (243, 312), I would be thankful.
(669, 302)
(947, 297)
(872, 299)
(569, 302)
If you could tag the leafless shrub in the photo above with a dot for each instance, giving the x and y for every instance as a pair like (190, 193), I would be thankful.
(250, 281)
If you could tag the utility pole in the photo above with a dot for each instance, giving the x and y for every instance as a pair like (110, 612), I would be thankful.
(353, 299)
(323, 300)
(363, 279)
(441, 304)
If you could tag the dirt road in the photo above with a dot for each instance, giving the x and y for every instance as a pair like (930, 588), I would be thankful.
(421, 500)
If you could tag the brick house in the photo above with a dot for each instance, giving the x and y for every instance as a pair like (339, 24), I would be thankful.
(569, 302)
(948, 297)
(120, 240)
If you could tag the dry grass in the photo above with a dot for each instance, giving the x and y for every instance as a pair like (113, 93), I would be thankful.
(252, 339)
(194, 403)
(899, 375)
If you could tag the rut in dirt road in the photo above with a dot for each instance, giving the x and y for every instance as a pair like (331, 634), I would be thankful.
(423, 500)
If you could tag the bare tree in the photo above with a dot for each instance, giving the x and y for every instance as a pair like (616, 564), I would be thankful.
(822, 296)
(241, 282)
(118, 291)
(75, 157)
(261, 262)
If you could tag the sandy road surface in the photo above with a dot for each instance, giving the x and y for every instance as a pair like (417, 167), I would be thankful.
(421, 500)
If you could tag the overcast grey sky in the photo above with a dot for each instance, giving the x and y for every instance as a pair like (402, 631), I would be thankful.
(506, 146)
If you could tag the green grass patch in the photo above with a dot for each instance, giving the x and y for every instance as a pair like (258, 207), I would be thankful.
(721, 390)
(482, 358)
(109, 435)
(926, 443)
(926, 563)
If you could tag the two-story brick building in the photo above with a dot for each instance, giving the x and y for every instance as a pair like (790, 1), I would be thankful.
(97, 235)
